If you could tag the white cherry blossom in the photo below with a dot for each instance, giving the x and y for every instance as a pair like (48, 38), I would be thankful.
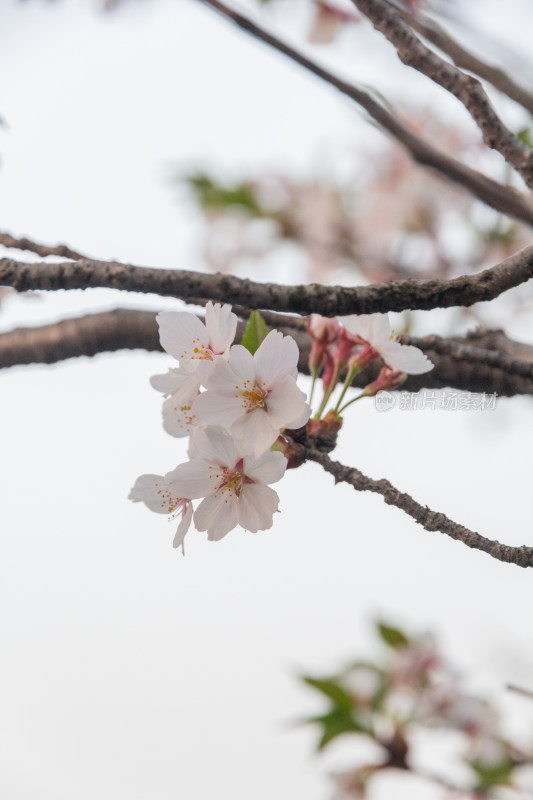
(158, 493)
(188, 339)
(182, 383)
(233, 484)
(253, 397)
(180, 386)
(178, 418)
(375, 330)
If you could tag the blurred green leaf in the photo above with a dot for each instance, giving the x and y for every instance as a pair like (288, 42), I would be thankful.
(491, 775)
(392, 636)
(334, 724)
(256, 331)
(331, 688)
(212, 195)
(526, 135)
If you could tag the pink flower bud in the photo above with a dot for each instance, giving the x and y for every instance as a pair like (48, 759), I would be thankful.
(328, 363)
(387, 379)
(360, 360)
(323, 331)
(344, 348)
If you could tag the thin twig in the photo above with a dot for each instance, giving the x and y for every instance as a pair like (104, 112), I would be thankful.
(520, 690)
(22, 243)
(430, 520)
(414, 53)
(503, 199)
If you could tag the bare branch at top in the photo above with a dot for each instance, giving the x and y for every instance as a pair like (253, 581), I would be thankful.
(414, 53)
(502, 198)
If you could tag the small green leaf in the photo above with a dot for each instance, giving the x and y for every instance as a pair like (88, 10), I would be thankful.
(335, 724)
(525, 134)
(255, 332)
(329, 686)
(490, 775)
(392, 636)
(212, 195)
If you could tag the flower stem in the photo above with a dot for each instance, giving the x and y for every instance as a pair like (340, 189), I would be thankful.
(349, 378)
(359, 396)
(328, 392)
(314, 374)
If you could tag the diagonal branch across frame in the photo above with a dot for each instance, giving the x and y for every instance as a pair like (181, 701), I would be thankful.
(430, 520)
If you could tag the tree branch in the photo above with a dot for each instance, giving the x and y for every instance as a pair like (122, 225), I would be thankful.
(303, 299)
(503, 199)
(458, 366)
(464, 59)
(460, 351)
(495, 339)
(511, 687)
(61, 250)
(430, 520)
(412, 52)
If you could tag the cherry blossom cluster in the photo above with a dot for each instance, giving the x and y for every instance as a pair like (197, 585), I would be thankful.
(232, 405)
(346, 345)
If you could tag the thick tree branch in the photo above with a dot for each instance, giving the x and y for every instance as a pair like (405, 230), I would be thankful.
(414, 53)
(430, 520)
(458, 365)
(503, 199)
(303, 299)
(495, 339)
(464, 59)
(460, 351)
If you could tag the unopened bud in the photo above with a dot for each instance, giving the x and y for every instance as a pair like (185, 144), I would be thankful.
(388, 379)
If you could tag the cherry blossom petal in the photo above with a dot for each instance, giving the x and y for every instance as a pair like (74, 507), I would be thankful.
(257, 505)
(154, 493)
(276, 357)
(286, 405)
(181, 382)
(254, 432)
(193, 479)
(214, 409)
(405, 358)
(242, 362)
(373, 328)
(221, 326)
(178, 418)
(215, 447)
(269, 468)
(180, 332)
(183, 527)
(227, 376)
(217, 514)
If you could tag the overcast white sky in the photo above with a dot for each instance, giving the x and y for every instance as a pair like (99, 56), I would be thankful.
(128, 672)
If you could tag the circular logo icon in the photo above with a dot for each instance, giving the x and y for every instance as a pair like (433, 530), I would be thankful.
(384, 401)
